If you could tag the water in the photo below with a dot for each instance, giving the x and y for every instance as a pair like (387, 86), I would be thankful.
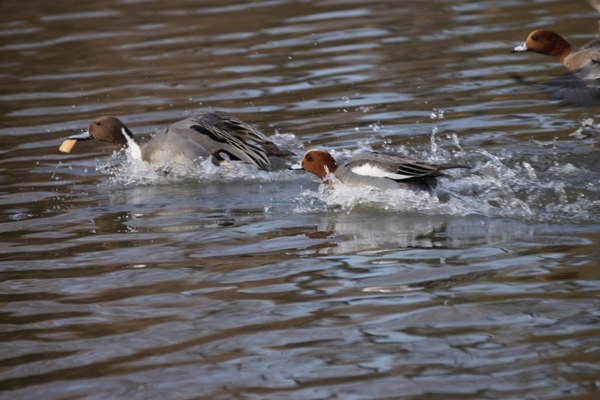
(118, 281)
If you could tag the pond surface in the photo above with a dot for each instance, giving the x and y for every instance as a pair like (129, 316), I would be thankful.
(117, 281)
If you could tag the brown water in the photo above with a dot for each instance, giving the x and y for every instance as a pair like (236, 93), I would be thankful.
(118, 282)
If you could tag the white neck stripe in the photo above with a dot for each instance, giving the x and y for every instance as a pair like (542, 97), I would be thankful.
(134, 148)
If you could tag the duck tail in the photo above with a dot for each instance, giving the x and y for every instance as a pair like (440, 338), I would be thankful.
(452, 166)
(273, 150)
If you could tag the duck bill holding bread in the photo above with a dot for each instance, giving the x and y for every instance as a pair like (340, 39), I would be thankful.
(70, 142)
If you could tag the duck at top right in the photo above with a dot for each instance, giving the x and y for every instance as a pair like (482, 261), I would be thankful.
(580, 86)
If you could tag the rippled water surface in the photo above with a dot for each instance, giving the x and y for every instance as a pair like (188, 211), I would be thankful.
(118, 281)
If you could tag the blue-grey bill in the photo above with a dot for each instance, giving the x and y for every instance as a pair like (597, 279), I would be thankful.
(81, 136)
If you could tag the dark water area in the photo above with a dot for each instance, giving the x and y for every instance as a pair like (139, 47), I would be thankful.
(117, 281)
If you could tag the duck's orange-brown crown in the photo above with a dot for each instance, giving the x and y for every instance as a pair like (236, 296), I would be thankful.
(548, 42)
(318, 162)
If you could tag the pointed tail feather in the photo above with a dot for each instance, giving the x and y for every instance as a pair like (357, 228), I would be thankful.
(452, 166)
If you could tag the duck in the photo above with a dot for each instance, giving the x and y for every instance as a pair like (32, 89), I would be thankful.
(551, 43)
(213, 135)
(384, 171)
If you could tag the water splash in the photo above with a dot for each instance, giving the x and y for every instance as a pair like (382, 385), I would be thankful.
(505, 185)
(125, 170)
(588, 128)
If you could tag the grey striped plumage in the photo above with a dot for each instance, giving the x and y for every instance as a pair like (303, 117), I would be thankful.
(400, 164)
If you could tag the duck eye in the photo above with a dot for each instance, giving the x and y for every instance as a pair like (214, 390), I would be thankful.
(309, 157)
(535, 37)
(98, 123)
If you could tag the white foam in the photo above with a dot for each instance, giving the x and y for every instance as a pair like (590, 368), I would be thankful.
(124, 168)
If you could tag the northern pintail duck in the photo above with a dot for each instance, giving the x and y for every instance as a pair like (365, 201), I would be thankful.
(380, 170)
(212, 135)
(551, 43)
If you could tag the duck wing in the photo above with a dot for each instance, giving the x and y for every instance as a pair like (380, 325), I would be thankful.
(246, 132)
(225, 136)
(395, 166)
(579, 87)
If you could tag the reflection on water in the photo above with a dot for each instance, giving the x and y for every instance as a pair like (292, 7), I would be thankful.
(118, 281)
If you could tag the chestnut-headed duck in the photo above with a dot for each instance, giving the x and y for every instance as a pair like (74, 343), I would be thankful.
(551, 43)
(212, 135)
(380, 170)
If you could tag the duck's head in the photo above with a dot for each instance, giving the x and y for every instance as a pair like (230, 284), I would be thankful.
(105, 129)
(109, 129)
(316, 162)
(545, 42)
